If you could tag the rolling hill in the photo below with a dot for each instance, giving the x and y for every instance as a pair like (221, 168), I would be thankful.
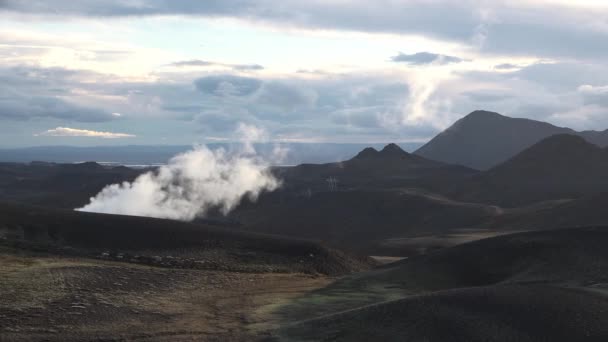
(165, 242)
(558, 167)
(388, 167)
(361, 219)
(585, 211)
(59, 185)
(522, 287)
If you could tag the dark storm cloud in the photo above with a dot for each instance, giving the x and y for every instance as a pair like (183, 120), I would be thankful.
(422, 58)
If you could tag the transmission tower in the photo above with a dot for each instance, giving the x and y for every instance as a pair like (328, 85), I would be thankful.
(332, 182)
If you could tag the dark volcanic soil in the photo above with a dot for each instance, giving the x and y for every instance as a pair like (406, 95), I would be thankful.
(73, 299)
(537, 286)
(501, 313)
(167, 243)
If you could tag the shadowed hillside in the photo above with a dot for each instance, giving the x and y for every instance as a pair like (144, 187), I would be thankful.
(59, 185)
(558, 167)
(360, 218)
(165, 242)
(390, 166)
(502, 313)
(485, 139)
(507, 288)
(586, 211)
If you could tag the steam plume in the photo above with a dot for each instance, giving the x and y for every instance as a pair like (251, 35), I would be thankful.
(188, 186)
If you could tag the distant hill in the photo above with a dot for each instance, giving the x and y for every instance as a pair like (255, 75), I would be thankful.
(360, 219)
(178, 244)
(134, 155)
(558, 167)
(484, 139)
(360, 202)
(391, 165)
(59, 185)
(586, 211)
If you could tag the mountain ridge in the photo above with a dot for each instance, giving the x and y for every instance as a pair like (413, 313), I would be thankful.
(562, 166)
(484, 139)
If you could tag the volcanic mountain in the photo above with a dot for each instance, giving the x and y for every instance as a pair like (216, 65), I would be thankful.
(387, 166)
(484, 139)
(558, 167)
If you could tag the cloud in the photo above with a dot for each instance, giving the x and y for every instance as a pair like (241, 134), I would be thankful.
(74, 132)
(193, 63)
(358, 106)
(488, 96)
(443, 17)
(564, 36)
(286, 96)
(424, 58)
(331, 107)
(506, 66)
(246, 67)
(373, 104)
(202, 63)
(541, 28)
(30, 92)
(19, 106)
(564, 76)
(227, 85)
(597, 95)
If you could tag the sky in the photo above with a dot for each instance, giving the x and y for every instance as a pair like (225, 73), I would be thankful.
(175, 72)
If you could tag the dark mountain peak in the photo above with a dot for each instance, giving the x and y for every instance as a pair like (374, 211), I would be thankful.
(483, 139)
(483, 114)
(41, 163)
(564, 157)
(368, 152)
(393, 150)
(561, 166)
(564, 139)
(480, 119)
(85, 166)
(563, 144)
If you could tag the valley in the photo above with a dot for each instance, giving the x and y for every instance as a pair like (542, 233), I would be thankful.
(396, 246)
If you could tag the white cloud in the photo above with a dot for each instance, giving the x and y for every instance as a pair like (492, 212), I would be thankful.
(589, 89)
(89, 69)
(74, 132)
